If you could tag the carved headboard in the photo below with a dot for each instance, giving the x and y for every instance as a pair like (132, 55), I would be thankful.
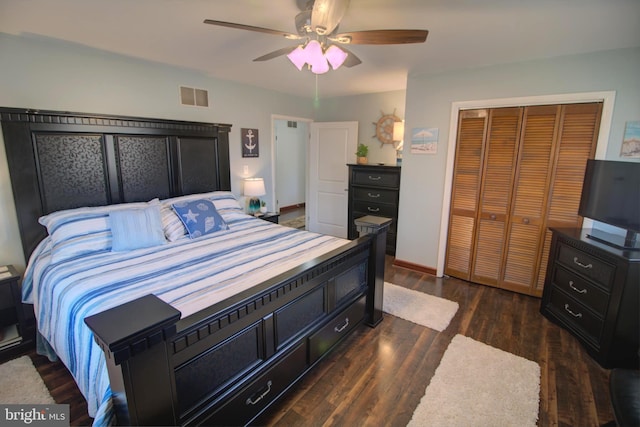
(62, 160)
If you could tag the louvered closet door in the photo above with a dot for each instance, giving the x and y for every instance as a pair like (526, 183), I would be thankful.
(467, 174)
(527, 217)
(501, 148)
(518, 171)
(577, 139)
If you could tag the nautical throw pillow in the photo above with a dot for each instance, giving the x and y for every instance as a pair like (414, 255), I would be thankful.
(199, 217)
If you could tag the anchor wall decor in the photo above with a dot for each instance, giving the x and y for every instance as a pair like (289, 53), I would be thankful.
(250, 144)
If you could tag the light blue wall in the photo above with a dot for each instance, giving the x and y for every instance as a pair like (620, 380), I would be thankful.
(366, 109)
(50, 75)
(429, 102)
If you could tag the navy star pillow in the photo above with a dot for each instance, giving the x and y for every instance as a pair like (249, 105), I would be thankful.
(199, 217)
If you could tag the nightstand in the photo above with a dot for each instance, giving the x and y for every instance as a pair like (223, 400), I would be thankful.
(271, 217)
(17, 328)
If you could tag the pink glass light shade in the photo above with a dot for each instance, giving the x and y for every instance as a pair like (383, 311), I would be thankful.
(318, 60)
(298, 57)
(335, 56)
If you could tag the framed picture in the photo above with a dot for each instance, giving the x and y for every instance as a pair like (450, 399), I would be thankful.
(424, 140)
(250, 142)
(631, 141)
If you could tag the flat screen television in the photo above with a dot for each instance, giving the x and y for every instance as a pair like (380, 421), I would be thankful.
(611, 195)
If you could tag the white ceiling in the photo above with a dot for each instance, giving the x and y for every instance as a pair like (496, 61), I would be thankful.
(462, 34)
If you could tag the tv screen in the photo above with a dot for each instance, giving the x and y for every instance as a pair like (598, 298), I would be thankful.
(611, 193)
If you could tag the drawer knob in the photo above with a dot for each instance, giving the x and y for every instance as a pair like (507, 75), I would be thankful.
(373, 196)
(526, 221)
(375, 178)
(578, 315)
(342, 327)
(370, 209)
(260, 394)
(578, 263)
(492, 216)
(580, 291)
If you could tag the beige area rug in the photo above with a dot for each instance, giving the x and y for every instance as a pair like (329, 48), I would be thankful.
(22, 384)
(418, 307)
(479, 385)
(299, 222)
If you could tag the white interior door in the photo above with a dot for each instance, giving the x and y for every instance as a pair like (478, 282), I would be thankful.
(332, 146)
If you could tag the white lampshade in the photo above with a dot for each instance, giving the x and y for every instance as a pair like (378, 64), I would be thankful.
(254, 187)
(398, 131)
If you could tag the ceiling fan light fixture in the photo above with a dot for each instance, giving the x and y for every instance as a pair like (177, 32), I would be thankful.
(335, 56)
(298, 57)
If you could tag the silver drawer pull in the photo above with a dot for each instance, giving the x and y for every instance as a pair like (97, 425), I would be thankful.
(261, 396)
(575, 261)
(373, 196)
(373, 209)
(375, 178)
(578, 315)
(339, 329)
(580, 291)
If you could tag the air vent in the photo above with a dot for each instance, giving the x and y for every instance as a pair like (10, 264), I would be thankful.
(194, 97)
(292, 124)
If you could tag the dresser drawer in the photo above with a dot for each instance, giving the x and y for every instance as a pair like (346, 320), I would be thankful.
(339, 326)
(375, 195)
(588, 265)
(576, 316)
(582, 290)
(250, 401)
(369, 208)
(376, 178)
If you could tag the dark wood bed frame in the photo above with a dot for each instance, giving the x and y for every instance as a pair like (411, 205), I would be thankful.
(227, 363)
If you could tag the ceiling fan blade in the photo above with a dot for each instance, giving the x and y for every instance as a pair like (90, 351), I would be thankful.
(382, 37)
(327, 14)
(275, 54)
(351, 60)
(252, 28)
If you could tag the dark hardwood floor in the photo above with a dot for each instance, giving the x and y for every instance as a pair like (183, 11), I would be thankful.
(376, 377)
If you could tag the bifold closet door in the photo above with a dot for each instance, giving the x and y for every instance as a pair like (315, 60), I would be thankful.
(498, 171)
(576, 142)
(526, 223)
(467, 176)
(517, 172)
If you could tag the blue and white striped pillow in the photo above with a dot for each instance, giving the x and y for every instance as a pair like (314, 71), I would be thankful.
(81, 231)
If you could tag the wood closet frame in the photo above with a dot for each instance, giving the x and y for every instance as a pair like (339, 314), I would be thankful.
(227, 363)
(517, 171)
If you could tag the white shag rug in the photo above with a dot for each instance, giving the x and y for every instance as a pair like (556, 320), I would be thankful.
(21, 383)
(479, 385)
(418, 307)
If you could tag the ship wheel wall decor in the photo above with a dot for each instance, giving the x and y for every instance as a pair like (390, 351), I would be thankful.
(384, 128)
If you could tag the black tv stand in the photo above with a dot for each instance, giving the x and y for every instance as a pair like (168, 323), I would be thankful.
(630, 242)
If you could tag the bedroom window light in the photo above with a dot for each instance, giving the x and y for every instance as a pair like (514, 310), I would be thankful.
(254, 188)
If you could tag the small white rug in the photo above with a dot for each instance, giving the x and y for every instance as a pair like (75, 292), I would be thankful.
(479, 385)
(22, 384)
(418, 307)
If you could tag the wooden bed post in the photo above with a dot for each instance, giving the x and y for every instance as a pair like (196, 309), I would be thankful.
(377, 227)
(139, 328)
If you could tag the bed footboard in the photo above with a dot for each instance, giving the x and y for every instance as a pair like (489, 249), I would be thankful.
(226, 364)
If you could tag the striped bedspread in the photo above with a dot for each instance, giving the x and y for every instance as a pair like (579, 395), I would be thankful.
(188, 274)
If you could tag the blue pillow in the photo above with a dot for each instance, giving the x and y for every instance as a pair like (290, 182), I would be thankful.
(136, 228)
(199, 217)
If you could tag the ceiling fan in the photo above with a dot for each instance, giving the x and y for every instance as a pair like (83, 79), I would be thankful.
(317, 30)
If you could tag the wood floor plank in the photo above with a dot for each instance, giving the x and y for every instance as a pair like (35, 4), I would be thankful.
(376, 377)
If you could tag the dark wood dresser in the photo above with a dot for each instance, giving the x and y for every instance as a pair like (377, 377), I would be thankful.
(374, 190)
(591, 289)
